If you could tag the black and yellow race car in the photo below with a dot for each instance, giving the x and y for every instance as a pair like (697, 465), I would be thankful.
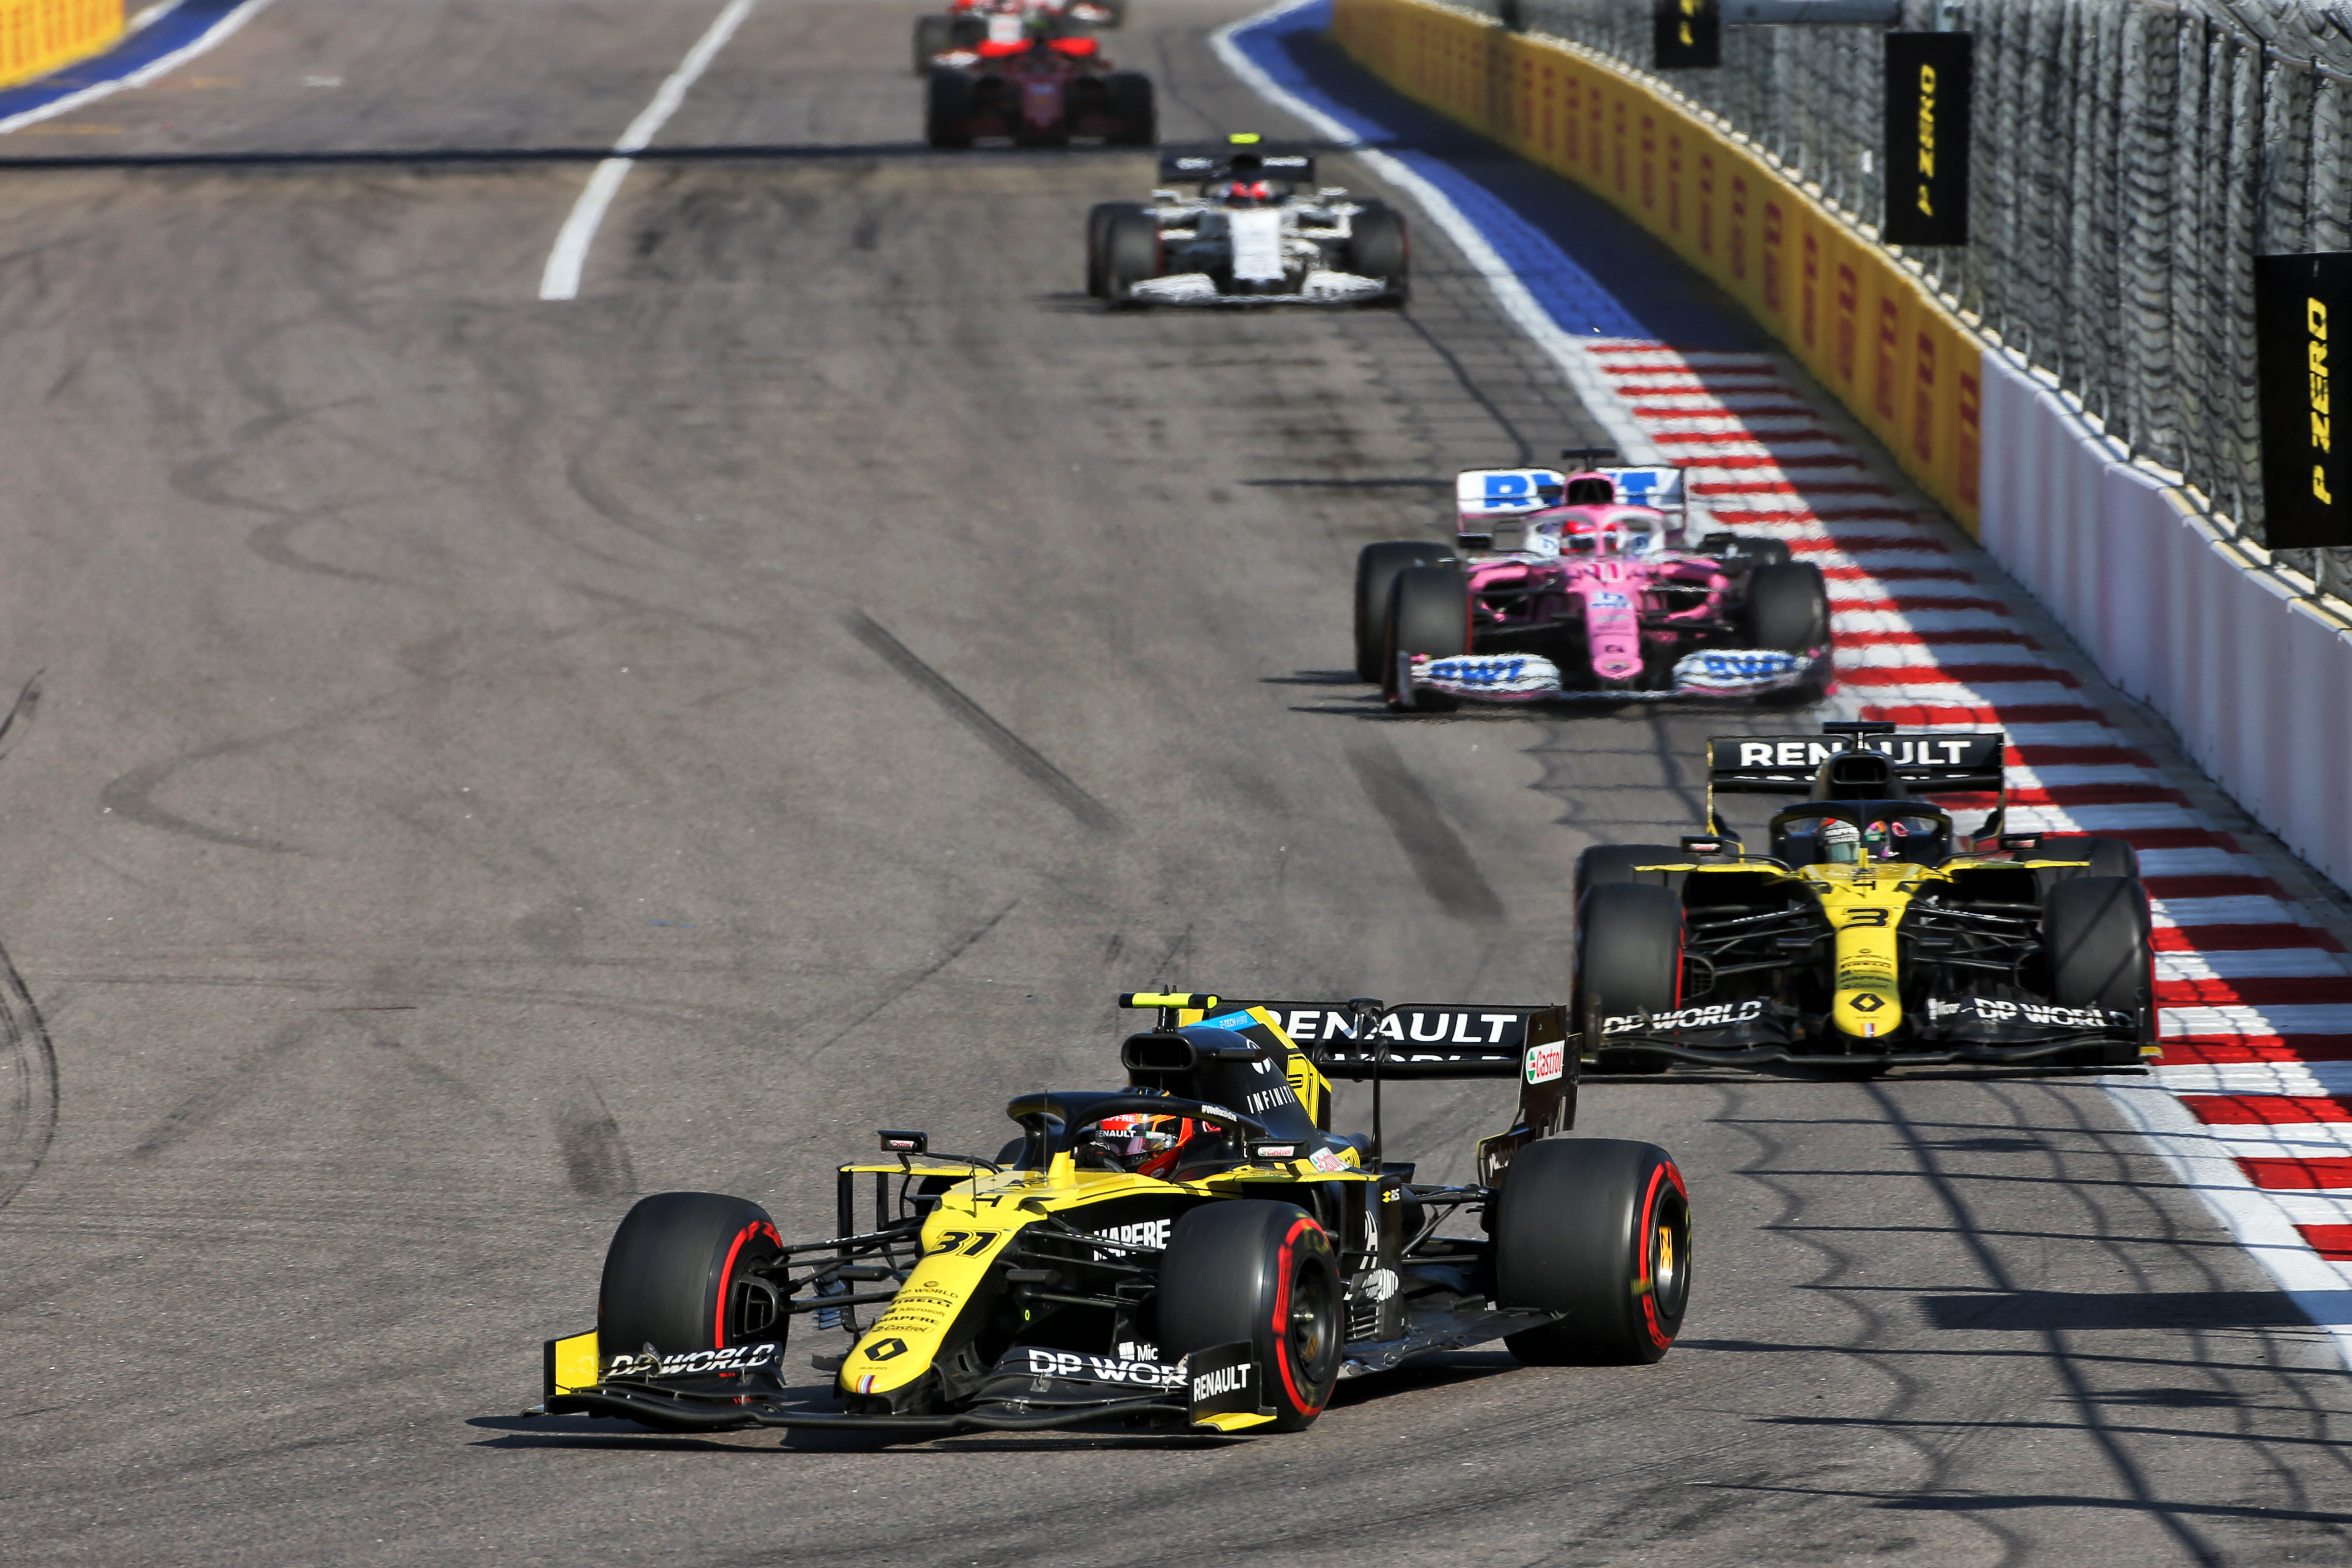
(1194, 1251)
(1868, 931)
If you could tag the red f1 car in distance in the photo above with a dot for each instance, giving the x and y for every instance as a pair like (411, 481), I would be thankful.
(1038, 82)
(965, 23)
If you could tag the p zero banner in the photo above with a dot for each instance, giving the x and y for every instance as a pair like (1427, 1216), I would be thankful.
(1689, 35)
(1864, 325)
(2303, 334)
(1929, 76)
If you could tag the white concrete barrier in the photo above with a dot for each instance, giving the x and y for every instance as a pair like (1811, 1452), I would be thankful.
(2256, 679)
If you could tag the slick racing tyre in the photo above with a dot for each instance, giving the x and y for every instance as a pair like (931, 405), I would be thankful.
(1605, 863)
(1376, 569)
(1379, 247)
(2094, 931)
(933, 35)
(1787, 608)
(1259, 1272)
(1130, 254)
(1129, 103)
(1098, 222)
(1629, 959)
(1428, 612)
(947, 108)
(677, 1276)
(1600, 1229)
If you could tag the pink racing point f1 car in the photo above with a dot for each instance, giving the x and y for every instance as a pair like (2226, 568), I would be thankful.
(1581, 586)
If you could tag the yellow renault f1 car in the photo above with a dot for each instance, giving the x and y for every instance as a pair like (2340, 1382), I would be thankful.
(1867, 934)
(1196, 1249)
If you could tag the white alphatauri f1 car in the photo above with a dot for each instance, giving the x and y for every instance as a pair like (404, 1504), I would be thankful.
(1244, 224)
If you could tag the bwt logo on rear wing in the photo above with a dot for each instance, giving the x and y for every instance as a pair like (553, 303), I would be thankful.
(1483, 494)
(1420, 1039)
(1930, 764)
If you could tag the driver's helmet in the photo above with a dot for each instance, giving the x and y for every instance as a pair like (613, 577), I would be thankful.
(1579, 533)
(1130, 1143)
(1247, 194)
(1840, 841)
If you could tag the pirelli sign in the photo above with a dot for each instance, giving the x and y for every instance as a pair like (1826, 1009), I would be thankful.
(1687, 35)
(2302, 324)
(1929, 79)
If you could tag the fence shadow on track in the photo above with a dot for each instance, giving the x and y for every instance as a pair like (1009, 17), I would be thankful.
(2069, 1309)
(421, 157)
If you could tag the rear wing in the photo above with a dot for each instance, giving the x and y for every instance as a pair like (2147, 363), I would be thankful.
(1928, 763)
(1361, 1038)
(1487, 497)
(1193, 168)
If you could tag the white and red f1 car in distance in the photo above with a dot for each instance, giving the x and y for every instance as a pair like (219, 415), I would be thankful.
(962, 27)
(1582, 584)
(1246, 225)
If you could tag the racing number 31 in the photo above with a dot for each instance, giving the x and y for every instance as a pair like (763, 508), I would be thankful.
(955, 1238)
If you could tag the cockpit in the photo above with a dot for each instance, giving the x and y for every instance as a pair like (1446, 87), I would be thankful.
(1620, 530)
(1858, 832)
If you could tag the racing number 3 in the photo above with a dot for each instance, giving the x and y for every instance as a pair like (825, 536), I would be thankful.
(955, 1238)
(1865, 917)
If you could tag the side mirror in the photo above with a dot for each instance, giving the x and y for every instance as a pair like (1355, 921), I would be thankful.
(896, 1142)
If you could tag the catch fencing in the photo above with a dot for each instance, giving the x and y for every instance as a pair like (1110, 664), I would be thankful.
(2129, 160)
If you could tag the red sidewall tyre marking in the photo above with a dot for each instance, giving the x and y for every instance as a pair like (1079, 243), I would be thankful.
(1649, 1262)
(1298, 1402)
(727, 1277)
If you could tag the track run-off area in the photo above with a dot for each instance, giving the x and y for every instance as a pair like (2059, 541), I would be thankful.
(482, 757)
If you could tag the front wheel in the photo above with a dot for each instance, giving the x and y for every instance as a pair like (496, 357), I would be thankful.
(1629, 960)
(1130, 255)
(1376, 568)
(1260, 1273)
(1598, 1229)
(947, 108)
(1130, 105)
(680, 1276)
(1379, 246)
(933, 35)
(1429, 612)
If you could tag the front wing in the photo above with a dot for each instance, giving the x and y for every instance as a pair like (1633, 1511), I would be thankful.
(1530, 678)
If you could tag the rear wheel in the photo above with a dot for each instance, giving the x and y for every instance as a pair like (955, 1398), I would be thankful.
(1429, 612)
(677, 1276)
(1130, 104)
(1605, 863)
(2104, 857)
(947, 108)
(2094, 931)
(1739, 547)
(1380, 248)
(1787, 608)
(1130, 254)
(1376, 568)
(1629, 960)
(1260, 1273)
(1599, 1229)
(933, 35)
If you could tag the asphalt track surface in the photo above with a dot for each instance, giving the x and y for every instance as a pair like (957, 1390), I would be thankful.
(535, 754)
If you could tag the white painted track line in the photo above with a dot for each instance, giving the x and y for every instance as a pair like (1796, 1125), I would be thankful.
(561, 279)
